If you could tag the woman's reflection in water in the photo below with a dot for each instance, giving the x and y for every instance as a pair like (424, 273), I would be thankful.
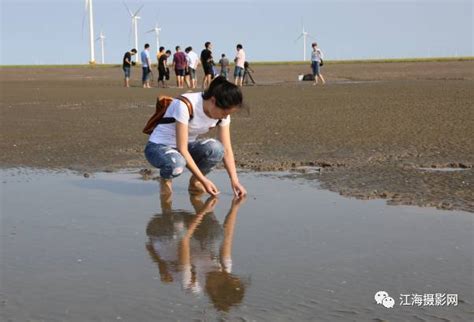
(193, 248)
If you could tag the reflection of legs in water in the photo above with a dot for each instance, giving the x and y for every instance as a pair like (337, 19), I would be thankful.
(195, 186)
(229, 224)
(184, 250)
(166, 202)
(196, 201)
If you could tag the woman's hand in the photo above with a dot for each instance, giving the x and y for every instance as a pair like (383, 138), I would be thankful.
(210, 187)
(239, 190)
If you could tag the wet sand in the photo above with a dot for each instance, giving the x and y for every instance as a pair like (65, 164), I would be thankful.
(105, 248)
(370, 129)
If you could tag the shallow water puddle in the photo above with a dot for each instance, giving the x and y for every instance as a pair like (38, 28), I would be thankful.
(107, 248)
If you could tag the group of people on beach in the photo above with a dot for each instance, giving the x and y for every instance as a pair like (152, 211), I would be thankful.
(185, 63)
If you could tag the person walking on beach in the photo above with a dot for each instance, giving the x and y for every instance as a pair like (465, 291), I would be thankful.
(180, 65)
(163, 71)
(193, 62)
(146, 66)
(206, 61)
(174, 146)
(239, 65)
(127, 66)
(316, 63)
(224, 64)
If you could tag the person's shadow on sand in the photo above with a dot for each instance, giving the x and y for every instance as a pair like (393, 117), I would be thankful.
(195, 250)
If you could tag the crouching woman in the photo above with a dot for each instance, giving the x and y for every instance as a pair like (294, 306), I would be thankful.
(174, 146)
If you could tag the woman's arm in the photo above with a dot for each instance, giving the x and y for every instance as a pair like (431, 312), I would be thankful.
(182, 146)
(223, 133)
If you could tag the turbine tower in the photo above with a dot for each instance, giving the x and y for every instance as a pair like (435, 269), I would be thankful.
(91, 31)
(305, 35)
(135, 18)
(156, 30)
(101, 39)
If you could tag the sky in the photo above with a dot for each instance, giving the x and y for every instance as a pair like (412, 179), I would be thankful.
(56, 31)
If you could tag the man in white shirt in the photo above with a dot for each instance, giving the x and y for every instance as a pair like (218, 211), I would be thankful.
(239, 65)
(193, 62)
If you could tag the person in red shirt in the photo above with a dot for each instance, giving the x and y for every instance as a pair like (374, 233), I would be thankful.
(179, 64)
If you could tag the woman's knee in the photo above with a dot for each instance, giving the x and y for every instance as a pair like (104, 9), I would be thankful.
(170, 162)
(173, 165)
(214, 149)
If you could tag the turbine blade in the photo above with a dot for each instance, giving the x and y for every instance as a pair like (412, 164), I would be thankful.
(84, 18)
(299, 37)
(136, 13)
(129, 11)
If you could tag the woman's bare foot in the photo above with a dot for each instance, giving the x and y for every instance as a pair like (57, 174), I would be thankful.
(166, 187)
(195, 187)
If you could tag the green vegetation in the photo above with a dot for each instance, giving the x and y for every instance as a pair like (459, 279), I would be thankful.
(359, 61)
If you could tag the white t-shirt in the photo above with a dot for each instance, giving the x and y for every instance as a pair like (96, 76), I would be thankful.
(240, 58)
(192, 59)
(200, 124)
(317, 55)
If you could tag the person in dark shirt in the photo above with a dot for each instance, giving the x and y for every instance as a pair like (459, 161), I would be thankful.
(206, 61)
(180, 65)
(163, 71)
(127, 65)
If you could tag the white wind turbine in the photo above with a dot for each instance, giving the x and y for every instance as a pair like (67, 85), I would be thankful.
(305, 35)
(91, 31)
(156, 30)
(135, 18)
(101, 39)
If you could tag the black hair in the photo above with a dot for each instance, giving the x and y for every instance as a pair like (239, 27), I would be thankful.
(177, 47)
(147, 46)
(162, 48)
(168, 51)
(223, 55)
(134, 50)
(227, 95)
(239, 46)
(207, 44)
(188, 49)
(225, 290)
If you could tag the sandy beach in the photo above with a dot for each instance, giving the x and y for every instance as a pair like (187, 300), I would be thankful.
(397, 131)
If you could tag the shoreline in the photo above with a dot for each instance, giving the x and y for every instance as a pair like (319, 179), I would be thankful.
(369, 136)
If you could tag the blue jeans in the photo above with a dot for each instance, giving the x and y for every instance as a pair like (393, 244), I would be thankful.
(145, 73)
(315, 67)
(205, 153)
(238, 71)
(126, 70)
